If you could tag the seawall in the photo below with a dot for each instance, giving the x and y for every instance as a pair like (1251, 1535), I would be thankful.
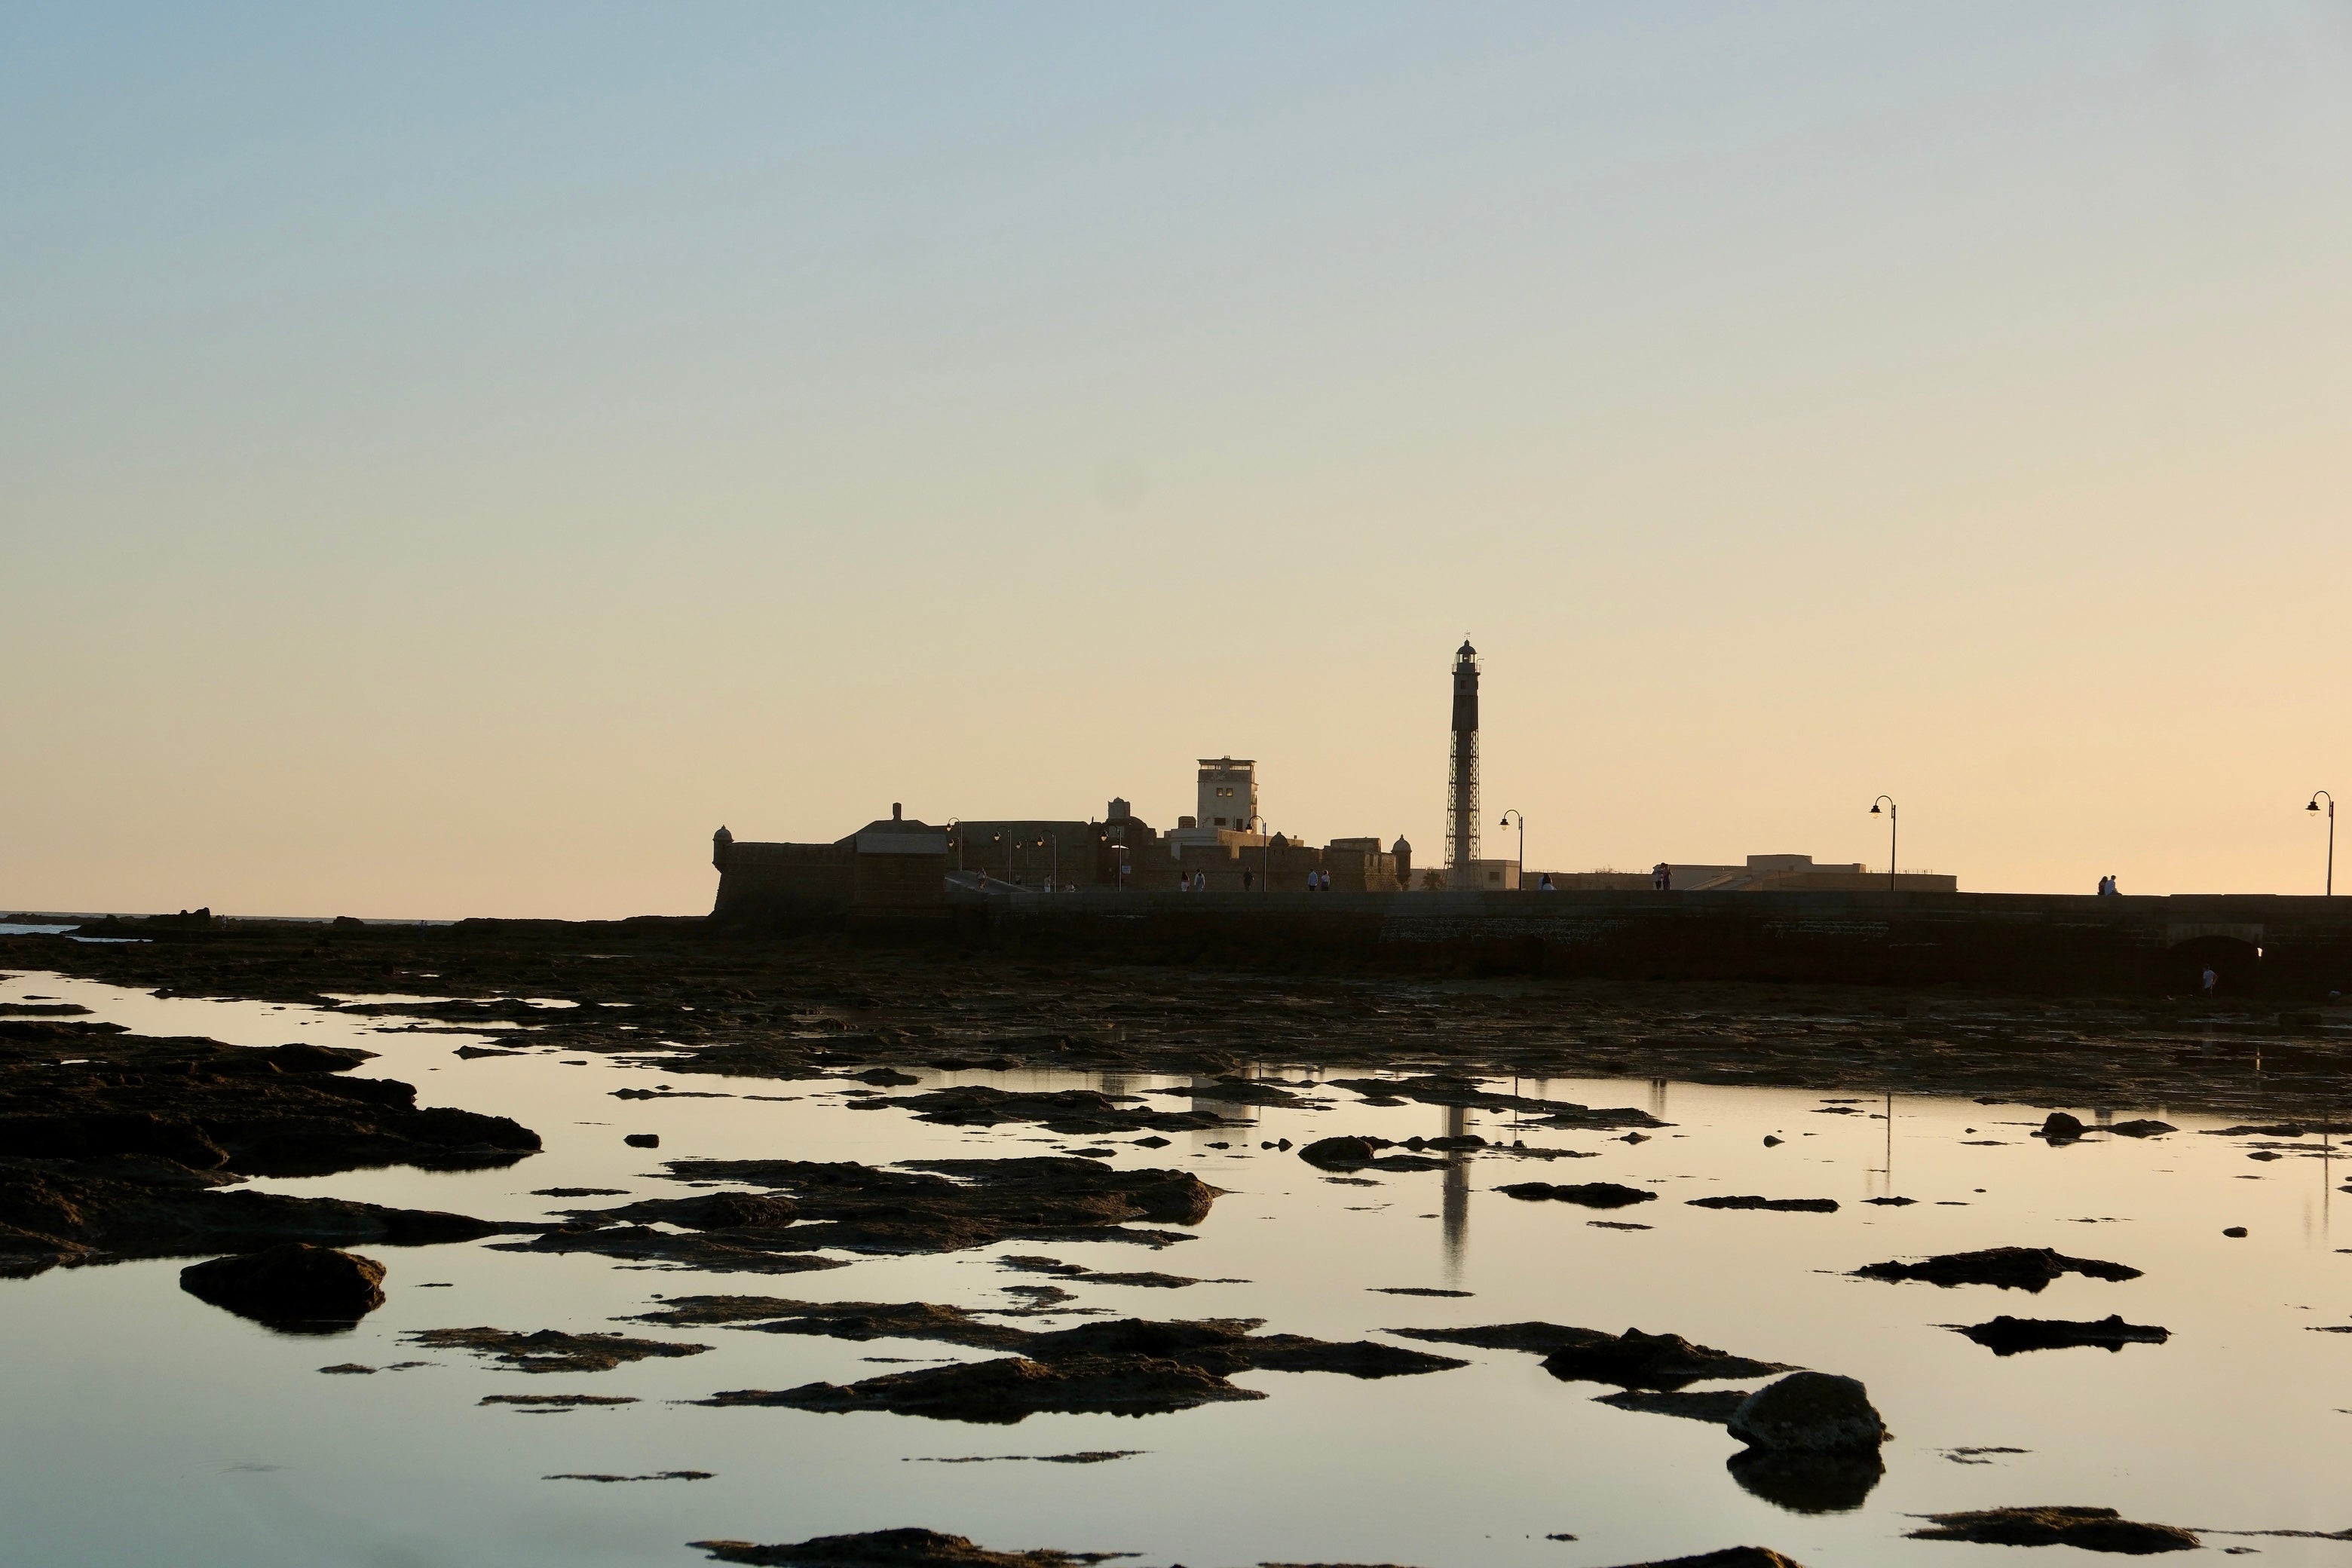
(2279, 947)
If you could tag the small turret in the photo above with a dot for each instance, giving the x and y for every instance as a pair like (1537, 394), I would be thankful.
(721, 842)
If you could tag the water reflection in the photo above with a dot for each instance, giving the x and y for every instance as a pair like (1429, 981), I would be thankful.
(1808, 1483)
(1455, 1205)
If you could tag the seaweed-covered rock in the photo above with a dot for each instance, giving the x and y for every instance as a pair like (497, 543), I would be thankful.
(1339, 1153)
(1584, 1194)
(2006, 1335)
(1012, 1389)
(2011, 1268)
(1630, 1360)
(296, 1287)
(2090, 1529)
(921, 1205)
(551, 1349)
(1809, 1412)
(893, 1549)
(1730, 1557)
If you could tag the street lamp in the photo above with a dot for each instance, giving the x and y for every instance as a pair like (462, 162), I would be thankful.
(2331, 835)
(1506, 822)
(1890, 836)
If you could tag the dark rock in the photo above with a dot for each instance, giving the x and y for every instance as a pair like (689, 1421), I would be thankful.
(281, 1111)
(556, 1400)
(296, 1287)
(1630, 1360)
(1730, 1557)
(550, 1349)
(1214, 1344)
(1788, 1206)
(1637, 1360)
(1073, 1111)
(2008, 1336)
(1415, 1290)
(642, 1140)
(2011, 1268)
(705, 1211)
(1458, 1089)
(1010, 1390)
(1587, 1194)
(152, 1207)
(1339, 1153)
(1239, 1091)
(2141, 1129)
(2235, 1232)
(2060, 1128)
(885, 1077)
(2090, 1529)
(1770, 1142)
(1810, 1412)
(928, 1206)
(893, 1549)
(739, 1251)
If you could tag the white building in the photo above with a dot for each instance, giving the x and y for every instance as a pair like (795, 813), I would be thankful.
(1225, 807)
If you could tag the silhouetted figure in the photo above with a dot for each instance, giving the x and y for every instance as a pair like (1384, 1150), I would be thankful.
(2211, 980)
(1662, 877)
(1543, 884)
(1247, 877)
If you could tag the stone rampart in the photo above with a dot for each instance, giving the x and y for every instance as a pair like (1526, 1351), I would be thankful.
(2279, 947)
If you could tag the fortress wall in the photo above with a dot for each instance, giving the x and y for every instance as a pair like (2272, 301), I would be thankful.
(785, 881)
(2058, 943)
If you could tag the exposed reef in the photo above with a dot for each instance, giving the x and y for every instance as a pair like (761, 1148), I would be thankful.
(2090, 1529)
(550, 1349)
(2006, 1335)
(114, 1145)
(295, 1288)
(894, 1548)
(1630, 1360)
(2028, 1269)
(921, 1206)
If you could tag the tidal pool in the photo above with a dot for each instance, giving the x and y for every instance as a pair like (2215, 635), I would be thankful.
(142, 1425)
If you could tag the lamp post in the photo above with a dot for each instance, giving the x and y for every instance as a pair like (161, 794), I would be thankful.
(1890, 836)
(1056, 874)
(2331, 836)
(1506, 822)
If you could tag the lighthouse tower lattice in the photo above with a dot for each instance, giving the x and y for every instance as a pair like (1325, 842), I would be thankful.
(1461, 775)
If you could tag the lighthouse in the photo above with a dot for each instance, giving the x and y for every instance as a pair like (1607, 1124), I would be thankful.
(1462, 773)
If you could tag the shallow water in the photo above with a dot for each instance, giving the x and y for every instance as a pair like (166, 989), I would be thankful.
(142, 1425)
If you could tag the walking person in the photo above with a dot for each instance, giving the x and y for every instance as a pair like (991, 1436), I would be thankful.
(2211, 981)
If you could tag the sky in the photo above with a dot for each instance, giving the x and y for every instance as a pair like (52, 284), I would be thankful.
(453, 458)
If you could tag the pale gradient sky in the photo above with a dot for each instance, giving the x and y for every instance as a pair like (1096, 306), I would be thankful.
(453, 458)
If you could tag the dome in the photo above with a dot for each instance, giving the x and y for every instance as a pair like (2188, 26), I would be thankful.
(1401, 846)
(1465, 650)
